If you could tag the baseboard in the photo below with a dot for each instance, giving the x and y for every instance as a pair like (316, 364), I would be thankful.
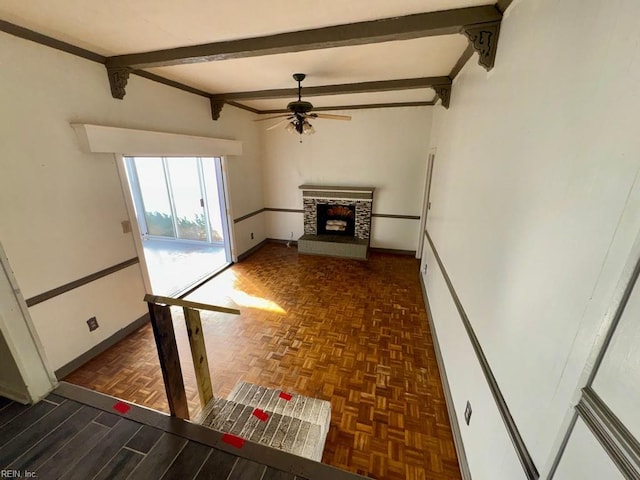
(453, 419)
(101, 347)
(282, 242)
(252, 250)
(393, 250)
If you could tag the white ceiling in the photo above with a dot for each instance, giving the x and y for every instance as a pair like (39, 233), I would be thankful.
(116, 27)
(330, 66)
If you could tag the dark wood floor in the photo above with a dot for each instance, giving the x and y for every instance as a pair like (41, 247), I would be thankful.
(61, 438)
(354, 333)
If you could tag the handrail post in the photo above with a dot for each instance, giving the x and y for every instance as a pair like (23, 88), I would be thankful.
(199, 354)
(165, 338)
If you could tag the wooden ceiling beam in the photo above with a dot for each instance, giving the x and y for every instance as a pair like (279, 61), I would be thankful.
(341, 89)
(427, 103)
(441, 85)
(407, 27)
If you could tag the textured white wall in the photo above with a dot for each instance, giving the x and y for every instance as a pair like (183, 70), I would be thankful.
(535, 199)
(383, 148)
(60, 208)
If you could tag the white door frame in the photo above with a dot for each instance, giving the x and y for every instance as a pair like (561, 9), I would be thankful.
(133, 220)
(23, 342)
(425, 201)
(225, 208)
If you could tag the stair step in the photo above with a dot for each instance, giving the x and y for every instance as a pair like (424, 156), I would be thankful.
(309, 409)
(299, 426)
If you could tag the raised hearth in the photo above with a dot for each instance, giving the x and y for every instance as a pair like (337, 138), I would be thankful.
(334, 246)
(337, 220)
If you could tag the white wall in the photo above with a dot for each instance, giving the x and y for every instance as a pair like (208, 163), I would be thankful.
(60, 209)
(383, 148)
(243, 230)
(284, 225)
(535, 199)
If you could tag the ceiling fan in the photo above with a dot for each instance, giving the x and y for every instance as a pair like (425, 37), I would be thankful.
(300, 113)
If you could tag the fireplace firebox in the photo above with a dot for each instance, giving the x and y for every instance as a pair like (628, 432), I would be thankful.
(336, 219)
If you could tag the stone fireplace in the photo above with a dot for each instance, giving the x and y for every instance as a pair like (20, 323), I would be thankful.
(337, 220)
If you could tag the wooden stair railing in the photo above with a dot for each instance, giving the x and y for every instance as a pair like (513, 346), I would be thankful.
(164, 334)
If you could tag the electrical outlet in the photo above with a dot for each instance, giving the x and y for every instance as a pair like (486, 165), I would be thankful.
(251, 235)
(126, 226)
(424, 269)
(93, 324)
(467, 413)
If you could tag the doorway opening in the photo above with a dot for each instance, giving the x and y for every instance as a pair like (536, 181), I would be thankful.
(180, 209)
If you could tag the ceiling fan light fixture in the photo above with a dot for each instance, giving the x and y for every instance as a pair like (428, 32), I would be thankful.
(307, 128)
(299, 113)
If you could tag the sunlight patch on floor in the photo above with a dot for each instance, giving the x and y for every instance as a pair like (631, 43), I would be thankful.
(245, 300)
(228, 289)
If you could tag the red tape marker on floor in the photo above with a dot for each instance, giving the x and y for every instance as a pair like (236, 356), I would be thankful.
(233, 440)
(260, 414)
(285, 396)
(121, 407)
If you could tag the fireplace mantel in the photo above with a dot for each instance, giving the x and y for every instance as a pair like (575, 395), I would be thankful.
(358, 199)
(334, 192)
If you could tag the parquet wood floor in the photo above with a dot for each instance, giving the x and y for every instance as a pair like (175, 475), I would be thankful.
(354, 333)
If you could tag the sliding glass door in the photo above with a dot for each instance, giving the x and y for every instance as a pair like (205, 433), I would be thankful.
(180, 209)
(186, 187)
(158, 218)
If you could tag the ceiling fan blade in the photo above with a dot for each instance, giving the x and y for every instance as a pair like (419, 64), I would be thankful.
(270, 118)
(277, 124)
(331, 116)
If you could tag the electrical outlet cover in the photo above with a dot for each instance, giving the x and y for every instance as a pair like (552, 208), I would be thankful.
(93, 324)
(467, 413)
